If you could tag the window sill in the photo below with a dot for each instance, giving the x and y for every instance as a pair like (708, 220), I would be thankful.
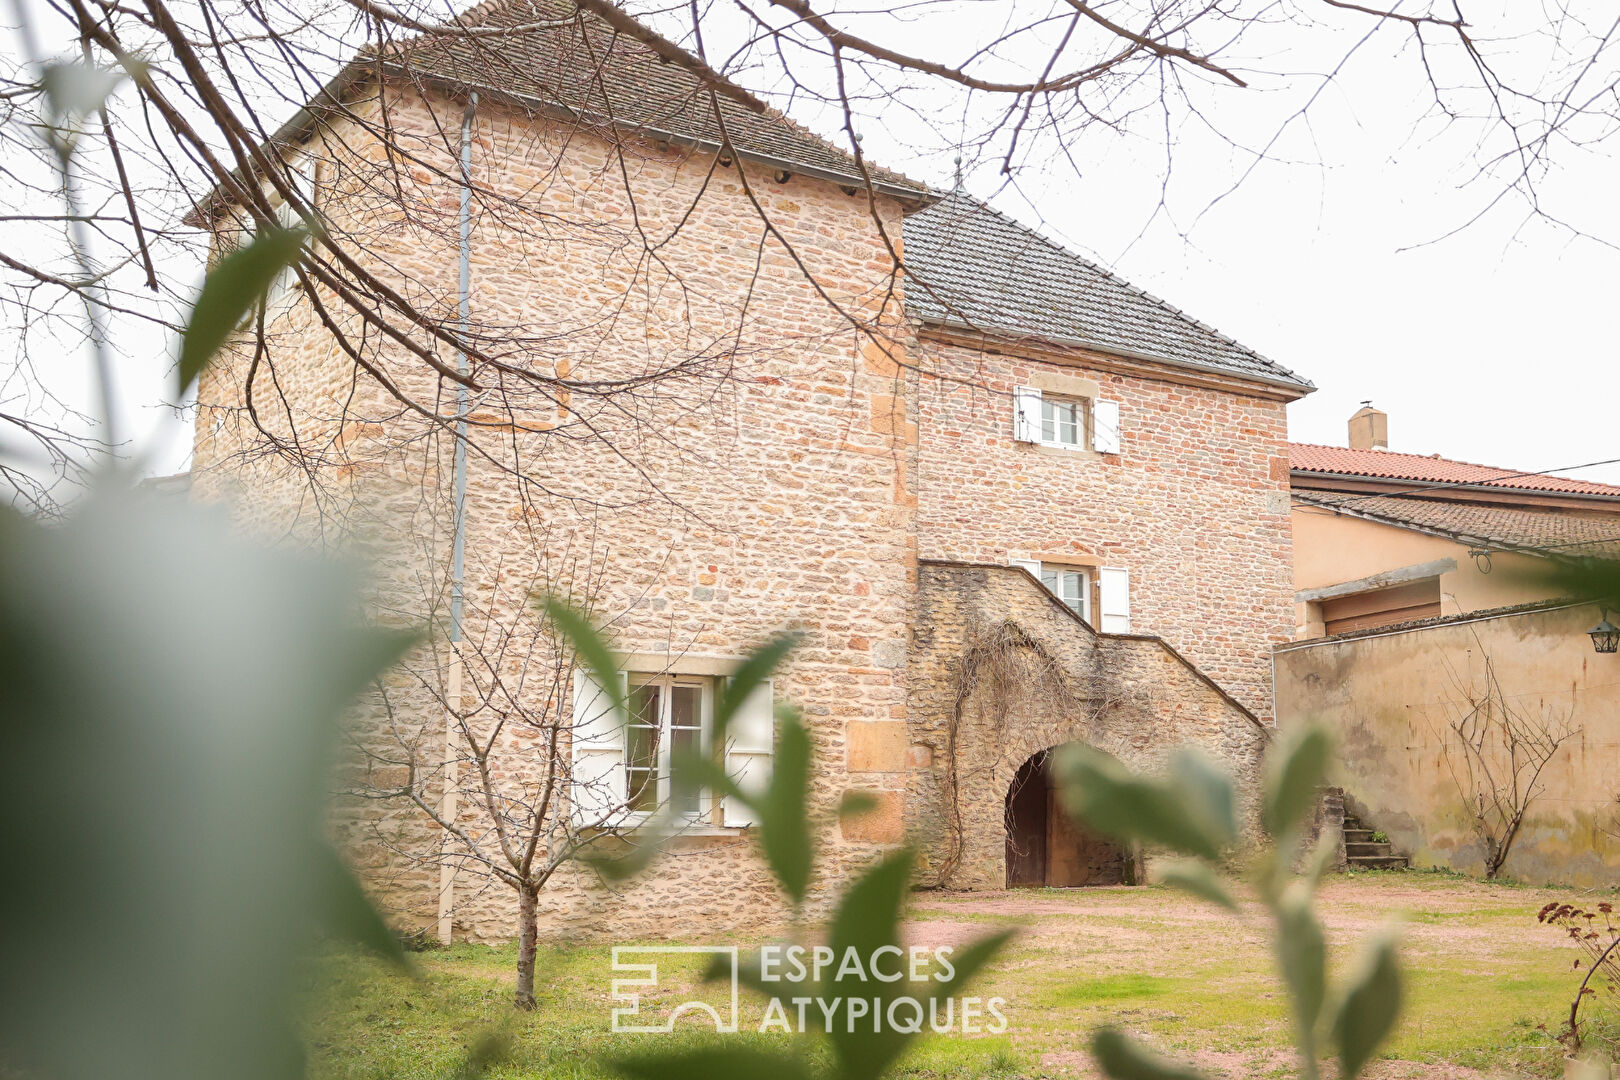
(1059, 450)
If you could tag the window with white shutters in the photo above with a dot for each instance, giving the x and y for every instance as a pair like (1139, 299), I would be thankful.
(1070, 584)
(1114, 595)
(597, 786)
(1067, 423)
(623, 767)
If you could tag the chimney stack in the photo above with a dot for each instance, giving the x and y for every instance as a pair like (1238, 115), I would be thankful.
(1369, 428)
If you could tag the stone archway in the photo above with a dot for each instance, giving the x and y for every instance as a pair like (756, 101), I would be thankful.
(1045, 847)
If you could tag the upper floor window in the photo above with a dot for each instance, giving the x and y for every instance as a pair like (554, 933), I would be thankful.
(1063, 422)
(1069, 423)
(1073, 585)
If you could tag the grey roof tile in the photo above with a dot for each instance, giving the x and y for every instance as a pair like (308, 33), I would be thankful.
(602, 77)
(968, 265)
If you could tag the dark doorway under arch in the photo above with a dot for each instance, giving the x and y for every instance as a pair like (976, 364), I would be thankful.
(1045, 847)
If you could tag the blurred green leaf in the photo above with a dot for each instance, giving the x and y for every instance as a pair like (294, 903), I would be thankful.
(1207, 791)
(715, 1063)
(1321, 858)
(1199, 879)
(591, 648)
(1122, 1058)
(784, 823)
(490, 1049)
(353, 918)
(1294, 771)
(1302, 955)
(74, 89)
(177, 694)
(759, 666)
(617, 859)
(229, 292)
(1100, 791)
(856, 803)
(1371, 1003)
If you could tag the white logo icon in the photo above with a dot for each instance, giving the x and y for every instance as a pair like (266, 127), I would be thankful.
(629, 1019)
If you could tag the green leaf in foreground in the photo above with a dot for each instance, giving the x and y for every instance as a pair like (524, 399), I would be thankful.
(784, 827)
(1100, 791)
(1294, 770)
(1121, 1058)
(1192, 876)
(229, 292)
(1371, 1003)
(1302, 954)
(350, 911)
(591, 648)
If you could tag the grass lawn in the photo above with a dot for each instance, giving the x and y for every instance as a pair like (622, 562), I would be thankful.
(1486, 986)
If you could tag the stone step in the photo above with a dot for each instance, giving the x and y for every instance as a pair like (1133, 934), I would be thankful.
(1367, 847)
(1376, 862)
(1357, 836)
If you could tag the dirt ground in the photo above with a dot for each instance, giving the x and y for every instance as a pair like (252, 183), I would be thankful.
(1485, 984)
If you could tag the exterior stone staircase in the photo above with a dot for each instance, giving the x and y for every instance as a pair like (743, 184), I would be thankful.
(1362, 852)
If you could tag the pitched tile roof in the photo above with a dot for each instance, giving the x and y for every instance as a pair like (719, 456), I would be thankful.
(971, 267)
(1383, 465)
(602, 77)
(1500, 528)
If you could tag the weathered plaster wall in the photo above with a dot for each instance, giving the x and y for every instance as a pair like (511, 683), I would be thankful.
(768, 488)
(1195, 505)
(1390, 699)
(1000, 671)
(1331, 549)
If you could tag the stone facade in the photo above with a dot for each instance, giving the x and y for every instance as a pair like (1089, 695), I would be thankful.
(789, 481)
(1000, 671)
(1195, 504)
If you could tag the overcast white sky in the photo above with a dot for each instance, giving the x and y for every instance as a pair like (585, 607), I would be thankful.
(1495, 345)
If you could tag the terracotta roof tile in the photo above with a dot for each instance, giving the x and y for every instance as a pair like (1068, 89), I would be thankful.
(1556, 532)
(1384, 465)
(969, 266)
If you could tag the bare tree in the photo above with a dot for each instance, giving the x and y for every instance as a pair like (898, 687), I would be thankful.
(1495, 750)
(200, 129)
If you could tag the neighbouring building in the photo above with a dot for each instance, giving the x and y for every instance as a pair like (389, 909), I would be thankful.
(1009, 500)
(1428, 626)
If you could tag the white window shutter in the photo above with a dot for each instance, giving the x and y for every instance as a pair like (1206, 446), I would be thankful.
(1105, 427)
(1115, 586)
(750, 743)
(1032, 565)
(1027, 414)
(597, 780)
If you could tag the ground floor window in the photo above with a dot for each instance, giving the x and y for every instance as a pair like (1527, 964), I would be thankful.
(670, 715)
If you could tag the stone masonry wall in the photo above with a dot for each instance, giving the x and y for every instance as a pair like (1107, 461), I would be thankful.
(1195, 505)
(999, 671)
(768, 489)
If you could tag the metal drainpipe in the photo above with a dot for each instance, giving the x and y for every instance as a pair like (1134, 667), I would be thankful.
(458, 550)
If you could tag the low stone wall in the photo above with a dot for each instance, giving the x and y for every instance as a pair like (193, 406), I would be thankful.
(999, 670)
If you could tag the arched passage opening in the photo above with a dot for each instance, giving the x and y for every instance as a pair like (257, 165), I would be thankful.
(1045, 847)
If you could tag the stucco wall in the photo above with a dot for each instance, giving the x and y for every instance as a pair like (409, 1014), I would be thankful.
(1390, 699)
(1331, 549)
(1195, 504)
(1000, 671)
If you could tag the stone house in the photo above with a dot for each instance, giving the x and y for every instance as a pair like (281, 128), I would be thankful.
(1421, 594)
(1008, 499)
